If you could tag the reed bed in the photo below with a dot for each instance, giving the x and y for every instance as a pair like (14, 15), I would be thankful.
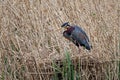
(31, 40)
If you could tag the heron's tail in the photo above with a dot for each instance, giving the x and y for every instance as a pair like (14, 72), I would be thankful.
(87, 46)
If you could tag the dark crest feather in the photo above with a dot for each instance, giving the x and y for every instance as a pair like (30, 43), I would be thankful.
(65, 24)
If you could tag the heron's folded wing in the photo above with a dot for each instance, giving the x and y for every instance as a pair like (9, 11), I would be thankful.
(80, 30)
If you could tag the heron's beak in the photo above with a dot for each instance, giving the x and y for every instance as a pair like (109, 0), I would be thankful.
(66, 27)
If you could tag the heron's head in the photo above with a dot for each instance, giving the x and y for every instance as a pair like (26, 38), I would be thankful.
(65, 25)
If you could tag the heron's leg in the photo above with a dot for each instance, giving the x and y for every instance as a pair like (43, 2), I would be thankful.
(79, 50)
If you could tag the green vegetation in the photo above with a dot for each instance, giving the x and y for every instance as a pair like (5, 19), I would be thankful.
(66, 70)
(119, 71)
(31, 40)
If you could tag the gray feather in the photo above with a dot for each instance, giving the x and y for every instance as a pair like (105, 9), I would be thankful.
(82, 40)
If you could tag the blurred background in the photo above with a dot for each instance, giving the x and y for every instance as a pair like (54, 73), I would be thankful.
(31, 33)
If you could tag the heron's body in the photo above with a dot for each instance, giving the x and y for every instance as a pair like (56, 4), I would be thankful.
(78, 36)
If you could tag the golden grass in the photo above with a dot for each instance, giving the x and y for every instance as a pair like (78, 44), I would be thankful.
(30, 33)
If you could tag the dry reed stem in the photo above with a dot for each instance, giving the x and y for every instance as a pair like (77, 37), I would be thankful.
(31, 28)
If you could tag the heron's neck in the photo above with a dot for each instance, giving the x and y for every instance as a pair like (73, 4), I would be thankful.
(70, 29)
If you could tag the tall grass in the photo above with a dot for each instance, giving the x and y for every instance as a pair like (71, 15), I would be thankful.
(119, 70)
(64, 71)
(31, 39)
